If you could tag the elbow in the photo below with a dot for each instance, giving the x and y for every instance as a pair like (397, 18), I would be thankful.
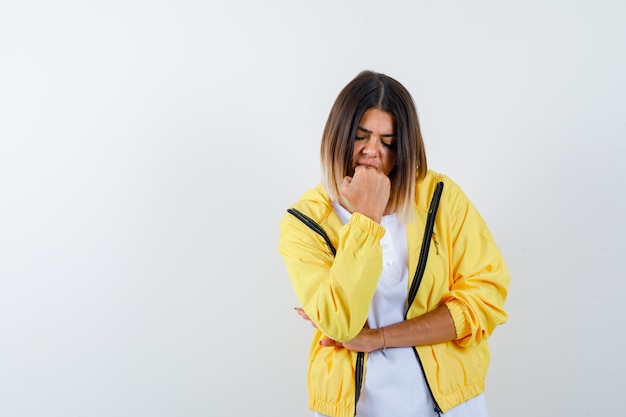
(343, 318)
(350, 332)
(341, 328)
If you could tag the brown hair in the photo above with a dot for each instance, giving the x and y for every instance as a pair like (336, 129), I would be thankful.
(366, 91)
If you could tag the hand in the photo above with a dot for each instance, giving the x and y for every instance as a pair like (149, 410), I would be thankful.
(368, 340)
(305, 316)
(367, 192)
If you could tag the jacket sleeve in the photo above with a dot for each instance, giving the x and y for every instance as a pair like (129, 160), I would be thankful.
(335, 292)
(480, 277)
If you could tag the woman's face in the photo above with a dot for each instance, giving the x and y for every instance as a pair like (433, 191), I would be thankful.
(375, 142)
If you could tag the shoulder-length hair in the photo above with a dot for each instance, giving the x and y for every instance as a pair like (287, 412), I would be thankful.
(371, 90)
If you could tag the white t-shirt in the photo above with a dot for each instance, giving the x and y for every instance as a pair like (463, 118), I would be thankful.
(394, 383)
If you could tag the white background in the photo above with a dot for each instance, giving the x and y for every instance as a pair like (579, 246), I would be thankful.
(148, 150)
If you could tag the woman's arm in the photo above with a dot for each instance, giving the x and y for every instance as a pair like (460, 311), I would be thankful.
(480, 277)
(334, 291)
(428, 329)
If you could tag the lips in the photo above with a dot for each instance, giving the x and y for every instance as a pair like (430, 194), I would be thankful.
(366, 164)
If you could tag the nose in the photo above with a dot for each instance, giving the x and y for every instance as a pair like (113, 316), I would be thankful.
(372, 146)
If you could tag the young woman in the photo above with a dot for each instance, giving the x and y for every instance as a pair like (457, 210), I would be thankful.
(393, 266)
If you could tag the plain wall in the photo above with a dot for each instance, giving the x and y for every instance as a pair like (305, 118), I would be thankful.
(148, 150)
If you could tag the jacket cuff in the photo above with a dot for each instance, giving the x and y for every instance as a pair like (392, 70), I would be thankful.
(461, 323)
(369, 226)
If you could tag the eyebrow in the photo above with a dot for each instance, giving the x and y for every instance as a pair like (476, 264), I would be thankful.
(385, 135)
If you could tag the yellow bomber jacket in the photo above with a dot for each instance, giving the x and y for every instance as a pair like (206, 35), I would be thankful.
(465, 271)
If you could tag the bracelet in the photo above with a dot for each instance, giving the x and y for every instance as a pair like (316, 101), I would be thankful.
(384, 340)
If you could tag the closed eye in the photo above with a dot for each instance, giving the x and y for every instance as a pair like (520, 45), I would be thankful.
(391, 146)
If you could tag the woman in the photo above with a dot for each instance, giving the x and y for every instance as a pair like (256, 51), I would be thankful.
(393, 266)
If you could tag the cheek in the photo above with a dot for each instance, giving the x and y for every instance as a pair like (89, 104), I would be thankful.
(389, 161)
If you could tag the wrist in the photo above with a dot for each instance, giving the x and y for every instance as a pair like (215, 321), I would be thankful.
(383, 339)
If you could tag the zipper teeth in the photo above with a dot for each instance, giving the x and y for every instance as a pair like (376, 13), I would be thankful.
(312, 224)
(428, 232)
(358, 377)
(421, 267)
(419, 360)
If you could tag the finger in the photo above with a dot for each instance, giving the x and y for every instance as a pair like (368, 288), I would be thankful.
(328, 342)
(363, 168)
(302, 313)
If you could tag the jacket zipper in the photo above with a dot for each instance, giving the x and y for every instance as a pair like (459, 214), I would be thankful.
(419, 361)
(358, 377)
(428, 233)
(312, 224)
(419, 273)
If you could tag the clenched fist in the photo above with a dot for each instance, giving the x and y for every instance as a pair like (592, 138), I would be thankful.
(367, 192)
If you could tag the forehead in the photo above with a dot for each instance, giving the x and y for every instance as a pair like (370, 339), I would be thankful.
(377, 120)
